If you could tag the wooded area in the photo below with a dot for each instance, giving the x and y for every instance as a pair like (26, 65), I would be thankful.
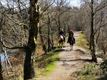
(29, 30)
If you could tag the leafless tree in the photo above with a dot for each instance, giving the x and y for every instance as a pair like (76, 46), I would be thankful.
(96, 23)
(30, 45)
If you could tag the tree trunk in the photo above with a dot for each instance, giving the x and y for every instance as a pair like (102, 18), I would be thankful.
(49, 33)
(59, 16)
(92, 42)
(1, 76)
(52, 39)
(41, 37)
(31, 46)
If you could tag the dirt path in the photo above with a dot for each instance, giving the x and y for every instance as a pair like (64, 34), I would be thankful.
(70, 61)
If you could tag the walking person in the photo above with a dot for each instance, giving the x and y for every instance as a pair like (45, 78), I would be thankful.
(71, 39)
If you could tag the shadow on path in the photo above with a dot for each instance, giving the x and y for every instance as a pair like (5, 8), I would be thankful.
(61, 50)
(84, 60)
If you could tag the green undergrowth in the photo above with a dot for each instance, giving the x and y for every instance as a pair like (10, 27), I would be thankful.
(92, 71)
(82, 41)
(89, 72)
(46, 63)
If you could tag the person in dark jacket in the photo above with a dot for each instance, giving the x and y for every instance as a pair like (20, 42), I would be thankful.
(71, 39)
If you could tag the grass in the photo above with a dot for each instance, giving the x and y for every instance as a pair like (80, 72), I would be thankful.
(46, 64)
(82, 41)
(46, 70)
(49, 68)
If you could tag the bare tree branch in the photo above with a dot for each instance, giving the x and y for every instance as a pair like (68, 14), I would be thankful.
(98, 8)
(15, 47)
(47, 8)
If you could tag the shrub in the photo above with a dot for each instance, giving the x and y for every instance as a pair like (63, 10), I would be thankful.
(82, 41)
(89, 72)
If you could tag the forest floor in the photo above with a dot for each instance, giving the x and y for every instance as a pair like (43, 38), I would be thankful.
(69, 62)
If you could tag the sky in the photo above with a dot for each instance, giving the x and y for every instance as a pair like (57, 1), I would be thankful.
(72, 2)
(75, 3)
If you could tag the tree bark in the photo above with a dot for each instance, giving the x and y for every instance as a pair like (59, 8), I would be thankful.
(31, 46)
(43, 44)
(49, 33)
(59, 25)
(92, 42)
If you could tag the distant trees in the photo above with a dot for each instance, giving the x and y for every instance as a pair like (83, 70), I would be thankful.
(94, 16)
(60, 10)
(53, 19)
(45, 24)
